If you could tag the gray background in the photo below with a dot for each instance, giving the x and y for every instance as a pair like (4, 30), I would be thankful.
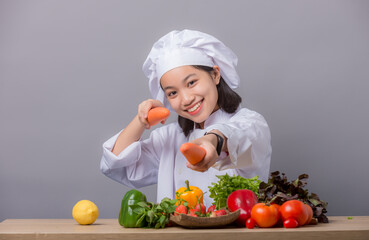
(70, 78)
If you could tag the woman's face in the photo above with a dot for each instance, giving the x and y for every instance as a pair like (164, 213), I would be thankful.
(192, 92)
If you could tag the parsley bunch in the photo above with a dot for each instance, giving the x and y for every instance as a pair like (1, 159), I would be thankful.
(155, 214)
(228, 184)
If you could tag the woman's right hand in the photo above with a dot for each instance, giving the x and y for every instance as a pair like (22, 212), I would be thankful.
(144, 108)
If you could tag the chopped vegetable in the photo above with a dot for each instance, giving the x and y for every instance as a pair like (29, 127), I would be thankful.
(220, 191)
(278, 190)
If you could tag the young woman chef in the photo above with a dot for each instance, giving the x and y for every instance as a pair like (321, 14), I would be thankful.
(192, 74)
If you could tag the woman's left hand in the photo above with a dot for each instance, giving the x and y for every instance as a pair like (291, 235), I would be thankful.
(208, 142)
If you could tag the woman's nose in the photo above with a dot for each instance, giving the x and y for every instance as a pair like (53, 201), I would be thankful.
(187, 98)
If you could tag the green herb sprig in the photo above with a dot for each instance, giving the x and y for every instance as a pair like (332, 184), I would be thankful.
(156, 214)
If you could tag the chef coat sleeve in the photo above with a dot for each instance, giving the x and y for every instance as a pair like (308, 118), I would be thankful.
(248, 141)
(137, 165)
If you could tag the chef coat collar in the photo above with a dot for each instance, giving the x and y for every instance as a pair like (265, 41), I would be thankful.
(219, 116)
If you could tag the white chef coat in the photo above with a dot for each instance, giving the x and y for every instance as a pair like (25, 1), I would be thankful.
(158, 159)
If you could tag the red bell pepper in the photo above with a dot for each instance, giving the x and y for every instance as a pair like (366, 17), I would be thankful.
(244, 200)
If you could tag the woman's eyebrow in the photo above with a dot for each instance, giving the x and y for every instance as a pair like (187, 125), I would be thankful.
(190, 75)
(185, 79)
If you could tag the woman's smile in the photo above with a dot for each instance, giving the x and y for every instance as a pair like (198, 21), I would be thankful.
(194, 109)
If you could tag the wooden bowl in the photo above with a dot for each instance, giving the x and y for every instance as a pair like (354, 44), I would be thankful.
(204, 222)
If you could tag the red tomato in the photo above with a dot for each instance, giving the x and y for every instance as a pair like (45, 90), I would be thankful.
(310, 215)
(276, 205)
(200, 208)
(280, 221)
(192, 212)
(220, 212)
(250, 223)
(265, 215)
(294, 209)
(211, 209)
(290, 223)
(244, 200)
(181, 209)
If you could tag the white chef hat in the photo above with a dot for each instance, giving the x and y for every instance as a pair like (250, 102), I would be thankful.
(188, 47)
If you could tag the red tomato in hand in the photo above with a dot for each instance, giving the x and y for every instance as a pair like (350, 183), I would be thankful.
(265, 215)
(294, 209)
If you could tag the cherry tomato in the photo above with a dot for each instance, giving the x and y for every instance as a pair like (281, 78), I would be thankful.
(290, 223)
(221, 212)
(250, 223)
(265, 215)
(211, 209)
(181, 209)
(294, 209)
(200, 208)
(192, 212)
(310, 214)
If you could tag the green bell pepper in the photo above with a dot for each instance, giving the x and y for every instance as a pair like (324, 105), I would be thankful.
(128, 218)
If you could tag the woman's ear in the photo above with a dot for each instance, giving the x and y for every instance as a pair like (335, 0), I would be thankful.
(216, 74)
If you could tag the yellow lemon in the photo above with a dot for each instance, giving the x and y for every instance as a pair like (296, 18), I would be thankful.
(85, 212)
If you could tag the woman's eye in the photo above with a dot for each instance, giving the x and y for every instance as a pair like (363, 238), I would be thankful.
(191, 83)
(172, 93)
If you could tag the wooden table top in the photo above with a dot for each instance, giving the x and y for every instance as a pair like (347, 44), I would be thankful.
(338, 228)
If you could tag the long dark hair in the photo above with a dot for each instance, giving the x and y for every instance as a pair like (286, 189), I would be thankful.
(228, 101)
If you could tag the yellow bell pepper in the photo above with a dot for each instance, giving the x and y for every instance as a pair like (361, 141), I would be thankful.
(191, 194)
